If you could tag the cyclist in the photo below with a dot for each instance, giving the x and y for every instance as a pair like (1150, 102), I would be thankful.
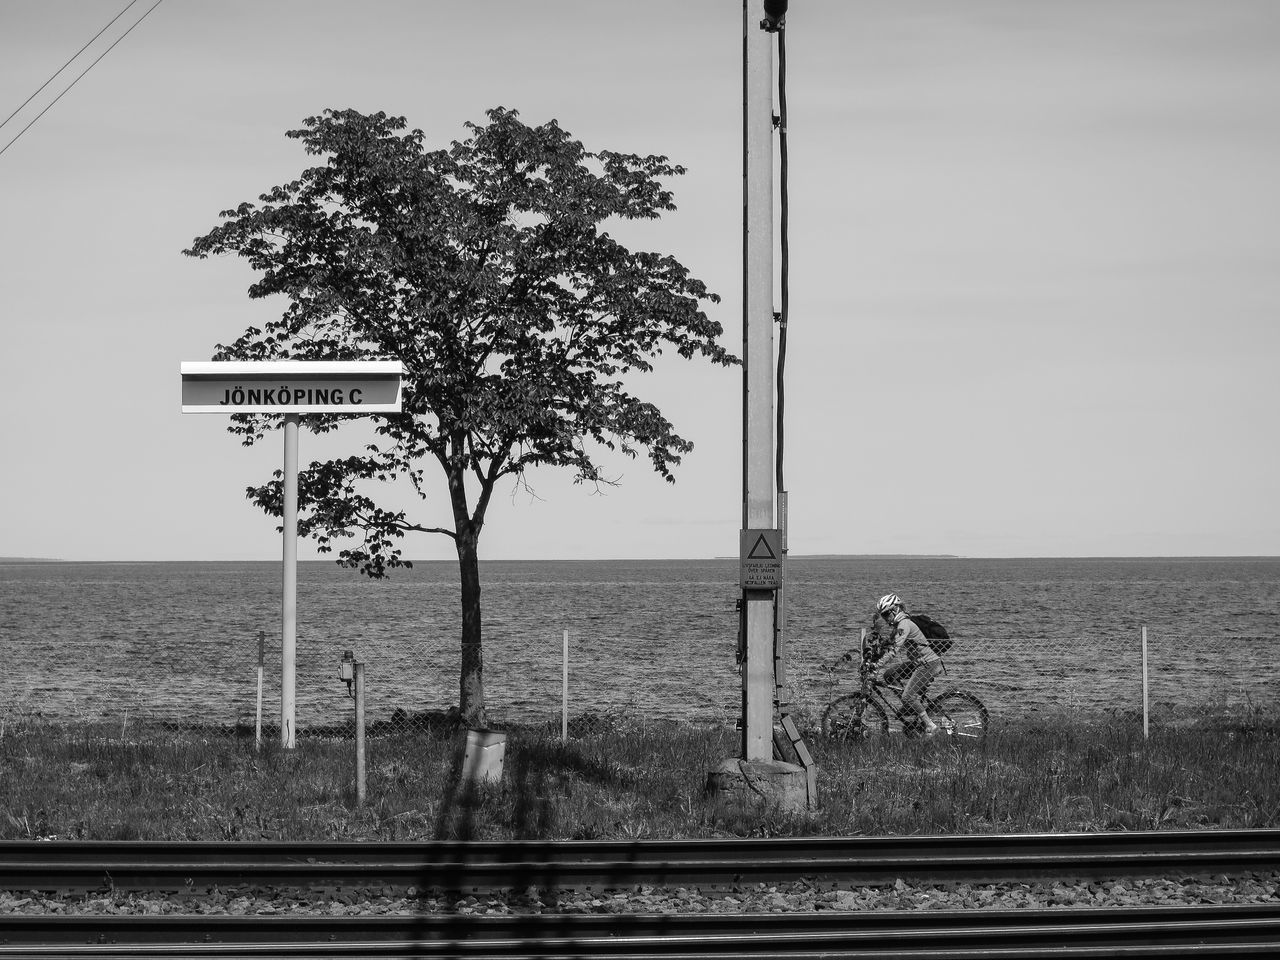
(909, 653)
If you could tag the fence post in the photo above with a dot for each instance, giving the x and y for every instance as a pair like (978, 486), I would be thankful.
(564, 693)
(360, 761)
(1145, 697)
(257, 720)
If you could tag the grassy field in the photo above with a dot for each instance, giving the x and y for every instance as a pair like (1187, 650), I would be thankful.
(627, 781)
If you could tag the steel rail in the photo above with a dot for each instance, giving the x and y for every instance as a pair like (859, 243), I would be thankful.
(67, 866)
(1142, 932)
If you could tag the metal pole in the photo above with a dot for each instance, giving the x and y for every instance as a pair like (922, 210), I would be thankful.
(564, 693)
(781, 694)
(360, 759)
(757, 678)
(1146, 730)
(257, 717)
(289, 585)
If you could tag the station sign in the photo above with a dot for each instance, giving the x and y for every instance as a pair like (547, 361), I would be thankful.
(760, 559)
(292, 386)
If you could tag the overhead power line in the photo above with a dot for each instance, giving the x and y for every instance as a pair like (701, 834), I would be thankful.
(69, 62)
(82, 73)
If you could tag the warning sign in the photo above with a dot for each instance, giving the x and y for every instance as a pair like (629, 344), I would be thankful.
(760, 559)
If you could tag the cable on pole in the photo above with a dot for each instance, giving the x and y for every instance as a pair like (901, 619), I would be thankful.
(784, 245)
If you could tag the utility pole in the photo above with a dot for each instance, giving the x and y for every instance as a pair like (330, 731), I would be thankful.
(756, 776)
(758, 372)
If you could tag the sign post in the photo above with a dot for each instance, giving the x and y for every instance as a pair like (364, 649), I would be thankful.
(289, 586)
(291, 388)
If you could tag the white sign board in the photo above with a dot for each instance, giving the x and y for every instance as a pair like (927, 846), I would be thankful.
(760, 559)
(292, 386)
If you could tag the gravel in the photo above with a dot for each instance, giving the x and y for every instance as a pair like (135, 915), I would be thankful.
(774, 898)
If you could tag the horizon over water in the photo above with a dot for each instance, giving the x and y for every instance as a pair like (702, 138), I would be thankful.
(718, 557)
(648, 637)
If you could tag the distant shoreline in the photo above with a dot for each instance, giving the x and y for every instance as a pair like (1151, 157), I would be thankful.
(872, 556)
(868, 556)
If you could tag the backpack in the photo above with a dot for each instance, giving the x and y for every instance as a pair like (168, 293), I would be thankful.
(933, 631)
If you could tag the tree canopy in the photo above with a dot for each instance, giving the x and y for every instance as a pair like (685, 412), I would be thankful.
(485, 269)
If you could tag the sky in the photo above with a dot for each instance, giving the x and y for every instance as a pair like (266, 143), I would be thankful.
(1035, 264)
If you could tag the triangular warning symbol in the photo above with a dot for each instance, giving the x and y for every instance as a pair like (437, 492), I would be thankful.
(761, 550)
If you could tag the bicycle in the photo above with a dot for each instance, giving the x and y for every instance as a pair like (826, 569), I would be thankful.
(865, 715)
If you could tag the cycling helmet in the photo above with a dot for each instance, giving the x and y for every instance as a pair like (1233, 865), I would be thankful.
(888, 602)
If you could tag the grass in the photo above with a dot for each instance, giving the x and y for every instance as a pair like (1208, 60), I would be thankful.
(625, 780)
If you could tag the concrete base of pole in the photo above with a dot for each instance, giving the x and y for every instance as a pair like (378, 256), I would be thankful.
(763, 784)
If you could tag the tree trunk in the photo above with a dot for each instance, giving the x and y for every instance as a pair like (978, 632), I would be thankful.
(471, 677)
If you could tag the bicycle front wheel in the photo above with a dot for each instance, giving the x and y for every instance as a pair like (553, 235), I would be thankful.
(854, 718)
(961, 714)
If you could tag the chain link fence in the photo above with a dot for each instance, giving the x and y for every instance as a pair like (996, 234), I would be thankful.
(1144, 678)
(218, 687)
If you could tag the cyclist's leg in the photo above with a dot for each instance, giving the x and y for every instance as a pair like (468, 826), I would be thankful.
(899, 672)
(913, 692)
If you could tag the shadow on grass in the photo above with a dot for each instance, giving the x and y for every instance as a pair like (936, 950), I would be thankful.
(529, 871)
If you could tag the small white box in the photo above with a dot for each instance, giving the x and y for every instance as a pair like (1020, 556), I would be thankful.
(484, 755)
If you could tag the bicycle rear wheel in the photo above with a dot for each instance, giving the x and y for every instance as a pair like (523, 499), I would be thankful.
(961, 714)
(854, 718)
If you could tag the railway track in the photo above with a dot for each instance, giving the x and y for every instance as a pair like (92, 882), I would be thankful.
(448, 866)
(1246, 930)
(1217, 931)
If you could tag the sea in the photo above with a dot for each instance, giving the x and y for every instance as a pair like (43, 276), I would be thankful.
(644, 638)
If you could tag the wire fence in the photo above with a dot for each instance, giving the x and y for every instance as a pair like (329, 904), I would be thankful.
(1148, 679)
(218, 687)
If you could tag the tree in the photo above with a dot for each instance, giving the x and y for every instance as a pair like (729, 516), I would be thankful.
(484, 269)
